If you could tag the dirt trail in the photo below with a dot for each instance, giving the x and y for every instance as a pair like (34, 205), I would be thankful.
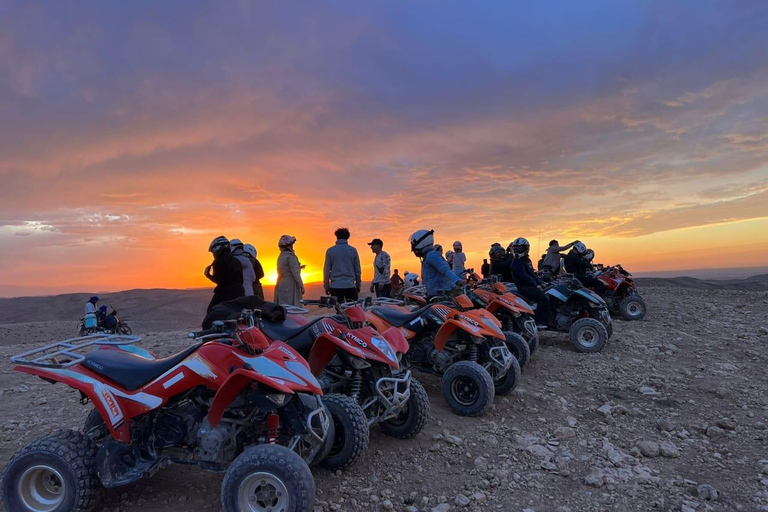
(673, 404)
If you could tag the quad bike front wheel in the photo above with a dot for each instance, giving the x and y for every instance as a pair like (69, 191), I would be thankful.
(412, 418)
(351, 434)
(588, 335)
(55, 473)
(266, 478)
(124, 329)
(468, 388)
(519, 347)
(632, 308)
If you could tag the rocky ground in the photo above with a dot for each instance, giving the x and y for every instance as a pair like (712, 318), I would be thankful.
(671, 416)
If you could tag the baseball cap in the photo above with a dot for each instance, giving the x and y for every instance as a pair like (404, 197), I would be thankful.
(376, 241)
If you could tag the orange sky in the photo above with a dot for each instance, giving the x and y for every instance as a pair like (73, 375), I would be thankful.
(124, 152)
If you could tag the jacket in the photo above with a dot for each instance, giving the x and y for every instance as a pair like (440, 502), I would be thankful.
(436, 274)
(503, 268)
(228, 275)
(522, 270)
(342, 267)
(576, 264)
(381, 265)
(249, 274)
(289, 283)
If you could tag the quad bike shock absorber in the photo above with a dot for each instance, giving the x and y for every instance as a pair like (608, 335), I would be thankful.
(473, 353)
(355, 385)
(273, 428)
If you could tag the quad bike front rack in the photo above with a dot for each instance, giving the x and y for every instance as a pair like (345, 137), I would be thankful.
(386, 301)
(63, 354)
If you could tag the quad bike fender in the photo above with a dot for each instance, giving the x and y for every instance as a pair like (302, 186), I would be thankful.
(395, 337)
(101, 395)
(236, 382)
(450, 326)
(325, 348)
(377, 322)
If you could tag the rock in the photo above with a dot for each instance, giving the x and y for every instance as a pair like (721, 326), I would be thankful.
(649, 448)
(686, 507)
(478, 497)
(706, 492)
(763, 330)
(461, 500)
(454, 440)
(726, 424)
(613, 454)
(715, 432)
(647, 391)
(481, 463)
(565, 433)
(664, 425)
(571, 421)
(540, 451)
(595, 478)
(443, 507)
(668, 449)
(605, 409)
(549, 466)
(387, 505)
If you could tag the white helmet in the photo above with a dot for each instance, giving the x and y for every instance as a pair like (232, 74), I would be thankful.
(420, 240)
(520, 247)
(218, 244)
(589, 255)
(235, 244)
(580, 248)
(250, 250)
(411, 280)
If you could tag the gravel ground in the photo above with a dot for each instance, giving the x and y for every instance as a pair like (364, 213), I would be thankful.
(671, 416)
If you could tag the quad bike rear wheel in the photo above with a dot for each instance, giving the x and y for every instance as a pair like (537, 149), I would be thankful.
(94, 427)
(519, 347)
(412, 418)
(468, 388)
(632, 308)
(124, 329)
(588, 335)
(266, 478)
(54, 473)
(350, 436)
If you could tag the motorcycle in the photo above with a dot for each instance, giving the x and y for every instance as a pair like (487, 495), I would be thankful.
(90, 324)
(360, 373)
(466, 347)
(232, 403)
(620, 293)
(578, 311)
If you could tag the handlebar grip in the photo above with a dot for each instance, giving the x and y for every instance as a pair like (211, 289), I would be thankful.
(200, 334)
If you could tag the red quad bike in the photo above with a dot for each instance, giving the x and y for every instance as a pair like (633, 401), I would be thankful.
(620, 292)
(360, 373)
(231, 402)
(466, 347)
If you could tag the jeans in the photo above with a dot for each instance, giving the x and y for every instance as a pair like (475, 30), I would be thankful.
(344, 294)
(542, 303)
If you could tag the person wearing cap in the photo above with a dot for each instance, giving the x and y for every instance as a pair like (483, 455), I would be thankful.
(459, 260)
(289, 288)
(342, 276)
(382, 283)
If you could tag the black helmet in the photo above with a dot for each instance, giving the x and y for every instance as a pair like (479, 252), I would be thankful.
(520, 247)
(218, 244)
(497, 252)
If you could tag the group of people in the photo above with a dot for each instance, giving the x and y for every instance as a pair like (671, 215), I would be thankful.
(237, 272)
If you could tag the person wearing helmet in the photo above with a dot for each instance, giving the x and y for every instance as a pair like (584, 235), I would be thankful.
(501, 263)
(90, 306)
(249, 274)
(448, 256)
(289, 287)
(225, 271)
(258, 270)
(382, 283)
(528, 283)
(576, 263)
(552, 259)
(342, 275)
(459, 260)
(437, 275)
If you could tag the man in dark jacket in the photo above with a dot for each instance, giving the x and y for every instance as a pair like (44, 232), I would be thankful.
(501, 263)
(576, 263)
(528, 283)
(225, 271)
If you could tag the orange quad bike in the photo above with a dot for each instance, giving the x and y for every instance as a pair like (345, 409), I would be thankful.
(466, 347)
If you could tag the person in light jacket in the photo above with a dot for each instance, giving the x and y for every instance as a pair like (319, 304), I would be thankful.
(342, 276)
(289, 287)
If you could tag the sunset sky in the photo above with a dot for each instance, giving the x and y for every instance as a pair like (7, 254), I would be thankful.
(132, 133)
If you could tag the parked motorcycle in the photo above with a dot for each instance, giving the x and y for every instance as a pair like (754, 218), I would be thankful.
(620, 293)
(466, 347)
(578, 311)
(90, 325)
(360, 373)
(232, 402)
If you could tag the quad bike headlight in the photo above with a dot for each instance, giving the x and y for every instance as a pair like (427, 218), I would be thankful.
(278, 399)
(491, 325)
(384, 347)
(357, 363)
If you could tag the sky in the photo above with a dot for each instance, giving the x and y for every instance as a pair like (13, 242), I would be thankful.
(133, 133)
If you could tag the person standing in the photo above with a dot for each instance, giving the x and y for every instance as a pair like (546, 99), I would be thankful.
(397, 282)
(90, 306)
(289, 287)
(382, 283)
(249, 273)
(225, 271)
(485, 270)
(258, 270)
(342, 276)
(459, 261)
(528, 283)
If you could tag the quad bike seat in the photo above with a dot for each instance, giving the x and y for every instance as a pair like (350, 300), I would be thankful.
(129, 370)
(297, 335)
(396, 317)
